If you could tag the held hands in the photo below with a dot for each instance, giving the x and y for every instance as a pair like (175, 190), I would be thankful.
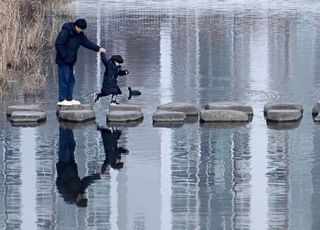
(102, 50)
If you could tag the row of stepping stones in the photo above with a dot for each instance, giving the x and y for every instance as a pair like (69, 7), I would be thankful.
(170, 112)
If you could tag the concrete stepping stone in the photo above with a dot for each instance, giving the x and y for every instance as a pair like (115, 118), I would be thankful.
(168, 116)
(187, 108)
(282, 106)
(73, 107)
(76, 115)
(283, 115)
(316, 118)
(124, 107)
(223, 116)
(229, 106)
(124, 116)
(27, 117)
(316, 111)
(33, 107)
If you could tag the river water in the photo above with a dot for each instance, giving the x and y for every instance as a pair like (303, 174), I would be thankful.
(193, 176)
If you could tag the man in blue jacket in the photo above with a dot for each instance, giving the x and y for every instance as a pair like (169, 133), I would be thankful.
(67, 44)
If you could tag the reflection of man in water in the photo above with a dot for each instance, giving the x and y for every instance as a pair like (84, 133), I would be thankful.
(69, 184)
(113, 153)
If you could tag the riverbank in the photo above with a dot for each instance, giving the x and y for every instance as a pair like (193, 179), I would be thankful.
(27, 29)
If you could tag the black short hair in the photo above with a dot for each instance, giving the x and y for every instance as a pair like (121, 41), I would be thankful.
(117, 58)
(81, 23)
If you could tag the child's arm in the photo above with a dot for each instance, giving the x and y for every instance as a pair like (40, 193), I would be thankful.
(123, 72)
(104, 58)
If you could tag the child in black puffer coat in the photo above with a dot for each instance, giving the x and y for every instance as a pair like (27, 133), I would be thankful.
(110, 79)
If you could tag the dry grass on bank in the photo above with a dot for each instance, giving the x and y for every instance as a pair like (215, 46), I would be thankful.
(23, 37)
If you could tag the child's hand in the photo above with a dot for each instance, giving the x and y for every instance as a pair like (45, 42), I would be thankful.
(127, 72)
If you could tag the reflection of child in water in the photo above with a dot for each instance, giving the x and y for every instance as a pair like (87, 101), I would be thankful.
(69, 184)
(113, 153)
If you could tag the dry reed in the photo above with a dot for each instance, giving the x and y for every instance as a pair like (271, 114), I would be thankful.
(24, 34)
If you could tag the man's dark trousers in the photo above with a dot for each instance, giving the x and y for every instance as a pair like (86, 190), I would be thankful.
(66, 82)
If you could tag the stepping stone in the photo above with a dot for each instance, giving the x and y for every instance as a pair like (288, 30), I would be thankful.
(124, 107)
(12, 108)
(316, 109)
(76, 115)
(317, 118)
(223, 116)
(187, 108)
(27, 117)
(123, 116)
(282, 115)
(282, 106)
(230, 106)
(168, 116)
(73, 107)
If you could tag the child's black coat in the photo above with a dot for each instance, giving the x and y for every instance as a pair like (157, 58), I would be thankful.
(110, 82)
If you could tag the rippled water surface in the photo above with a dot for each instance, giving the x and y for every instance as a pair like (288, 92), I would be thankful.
(188, 176)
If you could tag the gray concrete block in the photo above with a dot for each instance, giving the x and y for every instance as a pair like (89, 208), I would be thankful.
(317, 118)
(73, 107)
(168, 116)
(27, 116)
(229, 106)
(123, 116)
(282, 106)
(76, 115)
(124, 107)
(34, 107)
(282, 115)
(316, 108)
(223, 116)
(187, 108)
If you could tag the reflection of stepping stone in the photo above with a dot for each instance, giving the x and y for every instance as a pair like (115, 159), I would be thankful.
(168, 116)
(75, 113)
(186, 108)
(12, 108)
(283, 112)
(223, 116)
(229, 106)
(27, 117)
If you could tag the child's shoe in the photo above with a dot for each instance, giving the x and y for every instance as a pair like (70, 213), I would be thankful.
(114, 103)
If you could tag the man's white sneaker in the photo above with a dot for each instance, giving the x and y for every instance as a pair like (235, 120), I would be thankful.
(64, 102)
(74, 102)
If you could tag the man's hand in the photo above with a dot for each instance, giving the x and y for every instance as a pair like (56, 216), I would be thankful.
(102, 50)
